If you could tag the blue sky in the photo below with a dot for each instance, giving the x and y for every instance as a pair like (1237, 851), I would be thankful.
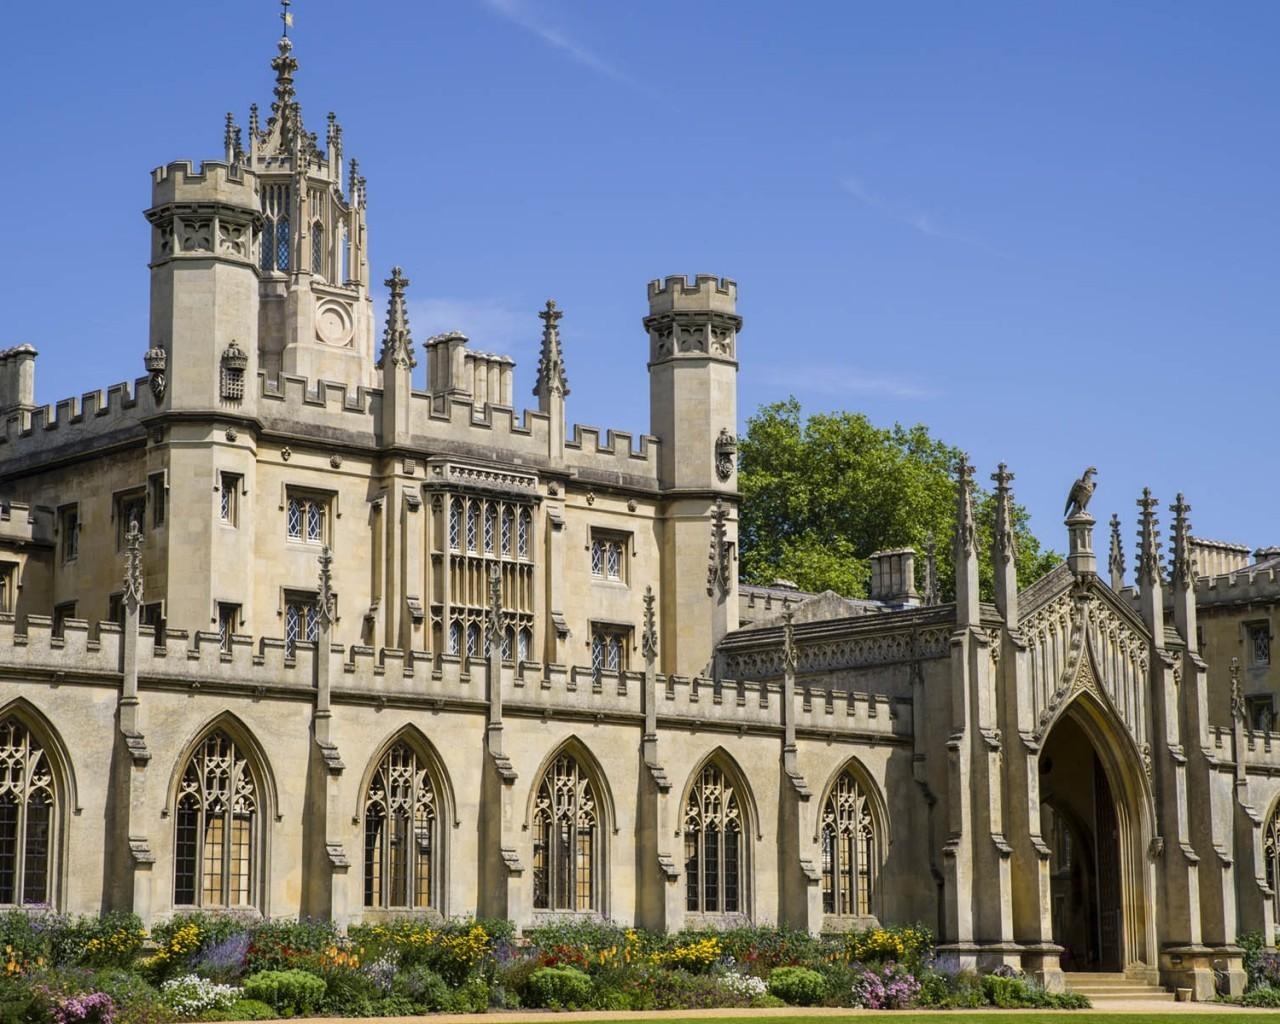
(1046, 230)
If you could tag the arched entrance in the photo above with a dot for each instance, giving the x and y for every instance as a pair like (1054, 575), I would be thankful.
(1091, 818)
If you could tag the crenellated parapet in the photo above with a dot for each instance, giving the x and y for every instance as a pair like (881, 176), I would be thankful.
(1246, 586)
(264, 669)
(81, 424)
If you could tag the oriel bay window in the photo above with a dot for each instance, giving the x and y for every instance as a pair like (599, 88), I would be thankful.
(848, 850)
(215, 832)
(27, 803)
(401, 845)
(713, 845)
(566, 840)
(474, 534)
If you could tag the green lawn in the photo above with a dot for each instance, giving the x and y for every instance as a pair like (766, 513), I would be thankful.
(1207, 1016)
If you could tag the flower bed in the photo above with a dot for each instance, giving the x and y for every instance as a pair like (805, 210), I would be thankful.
(207, 967)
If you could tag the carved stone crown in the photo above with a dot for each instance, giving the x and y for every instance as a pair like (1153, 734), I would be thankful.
(234, 358)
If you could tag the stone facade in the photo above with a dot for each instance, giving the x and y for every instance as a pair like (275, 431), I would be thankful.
(289, 628)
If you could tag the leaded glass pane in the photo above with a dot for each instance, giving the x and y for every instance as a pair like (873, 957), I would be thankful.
(214, 850)
(525, 642)
(506, 531)
(522, 534)
(268, 254)
(282, 243)
(317, 248)
(473, 517)
(597, 558)
(848, 832)
(455, 524)
(295, 518)
(565, 822)
(490, 527)
(26, 817)
(613, 561)
(713, 845)
(400, 822)
(473, 640)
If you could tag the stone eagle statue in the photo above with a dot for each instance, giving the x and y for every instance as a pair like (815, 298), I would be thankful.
(1081, 492)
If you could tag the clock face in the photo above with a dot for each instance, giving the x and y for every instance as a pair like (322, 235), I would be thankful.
(333, 323)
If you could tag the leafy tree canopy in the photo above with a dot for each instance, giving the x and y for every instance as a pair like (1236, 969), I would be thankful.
(819, 495)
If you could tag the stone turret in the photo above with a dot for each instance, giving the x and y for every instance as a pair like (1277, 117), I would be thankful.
(693, 369)
(17, 380)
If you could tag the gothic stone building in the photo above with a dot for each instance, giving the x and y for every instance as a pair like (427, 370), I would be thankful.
(292, 627)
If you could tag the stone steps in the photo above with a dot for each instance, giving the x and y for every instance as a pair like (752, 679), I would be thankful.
(1101, 986)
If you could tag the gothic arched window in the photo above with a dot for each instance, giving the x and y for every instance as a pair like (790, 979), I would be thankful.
(713, 845)
(216, 830)
(317, 249)
(566, 843)
(1271, 857)
(400, 833)
(27, 803)
(524, 644)
(848, 850)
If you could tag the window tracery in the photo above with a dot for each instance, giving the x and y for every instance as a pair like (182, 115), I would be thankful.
(401, 833)
(1271, 856)
(28, 800)
(713, 845)
(848, 850)
(215, 831)
(566, 849)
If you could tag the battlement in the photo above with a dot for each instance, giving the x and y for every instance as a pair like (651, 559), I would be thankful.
(1242, 587)
(705, 293)
(361, 675)
(29, 439)
(214, 182)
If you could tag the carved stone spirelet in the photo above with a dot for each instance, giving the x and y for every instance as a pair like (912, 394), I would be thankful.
(324, 597)
(726, 454)
(719, 579)
(133, 567)
(649, 638)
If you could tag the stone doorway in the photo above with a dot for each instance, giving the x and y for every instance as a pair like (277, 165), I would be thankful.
(1080, 823)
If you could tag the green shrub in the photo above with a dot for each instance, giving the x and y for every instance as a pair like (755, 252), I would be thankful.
(470, 997)
(243, 1009)
(291, 992)
(797, 986)
(559, 988)
(425, 990)
(281, 945)
(18, 1003)
(1068, 1001)
(1264, 995)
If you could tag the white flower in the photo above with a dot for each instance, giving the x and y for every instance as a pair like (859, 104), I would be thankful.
(191, 995)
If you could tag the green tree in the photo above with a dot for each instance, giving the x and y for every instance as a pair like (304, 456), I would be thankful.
(819, 495)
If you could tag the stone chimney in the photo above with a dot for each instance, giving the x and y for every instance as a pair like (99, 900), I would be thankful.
(17, 379)
(893, 577)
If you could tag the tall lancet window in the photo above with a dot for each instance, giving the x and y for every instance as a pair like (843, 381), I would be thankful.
(276, 242)
(848, 850)
(1271, 857)
(566, 840)
(400, 833)
(713, 846)
(215, 842)
(27, 803)
(317, 250)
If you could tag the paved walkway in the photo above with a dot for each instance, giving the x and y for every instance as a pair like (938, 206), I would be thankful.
(523, 1016)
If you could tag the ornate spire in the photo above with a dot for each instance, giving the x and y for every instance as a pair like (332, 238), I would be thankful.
(1149, 567)
(285, 109)
(966, 538)
(133, 567)
(551, 376)
(1116, 560)
(718, 578)
(493, 620)
(789, 659)
(931, 595)
(324, 597)
(1006, 541)
(1184, 570)
(649, 638)
(397, 345)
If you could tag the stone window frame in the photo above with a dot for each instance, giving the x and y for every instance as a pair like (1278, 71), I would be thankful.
(27, 778)
(62, 612)
(607, 638)
(1257, 640)
(68, 532)
(158, 497)
(230, 488)
(873, 816)
(122, 503)
(229, 616)
(731, 773)
(1260, 711)
(427, 792)
(10, 584)
(610, 553)
(325, 500)
(302, 601)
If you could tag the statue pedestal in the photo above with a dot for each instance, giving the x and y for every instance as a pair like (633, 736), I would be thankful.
(1081, 559)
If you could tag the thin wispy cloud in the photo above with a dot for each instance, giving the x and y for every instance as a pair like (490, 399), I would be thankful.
(849, 380)
(520, 13)
(907, 213)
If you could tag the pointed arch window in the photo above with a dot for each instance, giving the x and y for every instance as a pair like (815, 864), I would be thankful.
(524, 644)
(713, 845)
(317, 249)
(566, 839)
(27, 803)
(216, 828)
(848, 850)
(401, 833)
(1271, 857)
